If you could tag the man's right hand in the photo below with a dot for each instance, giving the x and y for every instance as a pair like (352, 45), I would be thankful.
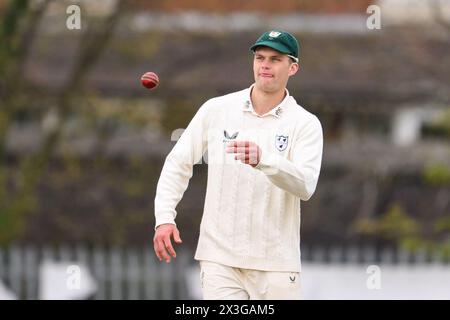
(162, 243)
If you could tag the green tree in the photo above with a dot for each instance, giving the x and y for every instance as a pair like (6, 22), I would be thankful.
(18, 28)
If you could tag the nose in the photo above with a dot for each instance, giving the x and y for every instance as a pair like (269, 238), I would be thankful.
(265, 65)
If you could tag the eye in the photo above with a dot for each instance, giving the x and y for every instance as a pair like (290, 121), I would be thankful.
(259, 58)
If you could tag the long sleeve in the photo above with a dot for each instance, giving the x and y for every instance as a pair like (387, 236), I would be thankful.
(298, 176)
(178, 167)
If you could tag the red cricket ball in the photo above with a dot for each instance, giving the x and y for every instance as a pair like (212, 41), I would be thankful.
(150, 80)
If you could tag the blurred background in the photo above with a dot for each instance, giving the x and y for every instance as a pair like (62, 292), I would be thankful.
(82, 142)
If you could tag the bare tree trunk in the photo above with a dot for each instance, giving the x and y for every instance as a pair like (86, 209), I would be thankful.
(15, 44)
(369, 198)
(93, 44)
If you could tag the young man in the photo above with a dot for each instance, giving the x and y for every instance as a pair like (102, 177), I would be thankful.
(264, 157)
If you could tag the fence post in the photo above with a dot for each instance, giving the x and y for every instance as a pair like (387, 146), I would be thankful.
(368, 254)
(181, 268)
(403, 256)
(116, 273)
(64, 253)
(387, 256)
(31, 273)
(420, 256)
(318, 254)
(336, 255)
(82, 255)
(437, 257)
(47, 254)
(167, 277)
(132, 274)
(352, 255)
(2, 264)
(99, 270)
(16, 270)
(149, 274)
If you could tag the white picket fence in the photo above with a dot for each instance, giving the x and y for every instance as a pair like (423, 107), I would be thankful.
(369, 254)
(135, 273)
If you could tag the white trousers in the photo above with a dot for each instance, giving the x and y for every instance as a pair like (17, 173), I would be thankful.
(220, 282)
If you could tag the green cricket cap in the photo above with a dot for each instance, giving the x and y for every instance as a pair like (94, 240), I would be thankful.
(278, 40)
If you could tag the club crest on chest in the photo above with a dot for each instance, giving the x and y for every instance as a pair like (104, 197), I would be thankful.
(281, 142)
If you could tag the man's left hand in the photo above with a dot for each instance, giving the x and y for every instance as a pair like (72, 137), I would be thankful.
(246, 151)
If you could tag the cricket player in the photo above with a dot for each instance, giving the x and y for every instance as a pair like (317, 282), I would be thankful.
(264, 154)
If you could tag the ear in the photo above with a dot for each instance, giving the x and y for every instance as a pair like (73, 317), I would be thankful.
(293, 68)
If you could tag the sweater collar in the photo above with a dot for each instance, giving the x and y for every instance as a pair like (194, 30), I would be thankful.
(276, 111)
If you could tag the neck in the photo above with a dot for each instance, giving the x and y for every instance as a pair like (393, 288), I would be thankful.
(263, 101)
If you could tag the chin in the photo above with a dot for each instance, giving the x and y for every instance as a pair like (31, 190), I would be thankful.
(266, 87)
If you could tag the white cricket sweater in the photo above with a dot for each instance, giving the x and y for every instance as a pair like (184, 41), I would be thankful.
(251, 216)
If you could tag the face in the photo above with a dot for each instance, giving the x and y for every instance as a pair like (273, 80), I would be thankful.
(272, 69)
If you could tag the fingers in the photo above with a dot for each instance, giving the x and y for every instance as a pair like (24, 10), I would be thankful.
(238, 150)
(247, 158)
(169, 247)
(242, 147)
(240, 144)
(176, 236)
(162, 242)
(246, 151)
(158, 246)
(156, 249)
(160, 250)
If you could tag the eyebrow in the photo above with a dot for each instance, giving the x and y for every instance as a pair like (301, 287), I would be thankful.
(269, 56)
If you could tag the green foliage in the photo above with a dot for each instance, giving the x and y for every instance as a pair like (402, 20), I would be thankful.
(100, 112)
(10, 33)
(442, 225)
(138, 47)
(441, 124)
(14, 205)
(437, 175)
(17, 32)
(395, 225)
(12, 216)
(414, 243)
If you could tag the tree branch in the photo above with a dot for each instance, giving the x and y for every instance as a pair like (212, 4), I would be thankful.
(437, 11)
